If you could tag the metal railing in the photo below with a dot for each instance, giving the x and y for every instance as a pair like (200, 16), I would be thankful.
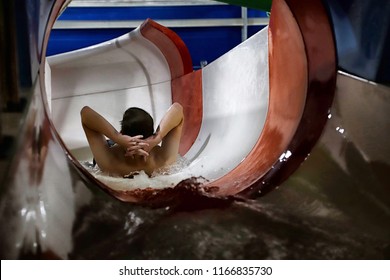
(244, 21)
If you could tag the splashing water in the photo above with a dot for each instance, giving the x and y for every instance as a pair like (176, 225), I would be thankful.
(165, 177)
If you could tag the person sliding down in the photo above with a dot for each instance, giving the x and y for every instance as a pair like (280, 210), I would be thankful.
(136, 146)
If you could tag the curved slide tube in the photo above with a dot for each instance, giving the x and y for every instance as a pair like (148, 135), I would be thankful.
(235, 130)
(151, 68)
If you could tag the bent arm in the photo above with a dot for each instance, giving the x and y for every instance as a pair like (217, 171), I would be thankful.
(169, 133)
(95, 128)
(93, 121)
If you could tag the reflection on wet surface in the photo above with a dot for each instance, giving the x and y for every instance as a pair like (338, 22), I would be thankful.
(250, 230)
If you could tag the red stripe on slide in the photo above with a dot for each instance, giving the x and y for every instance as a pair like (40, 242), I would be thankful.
(187, 90)
(171, 45)
(186, 84)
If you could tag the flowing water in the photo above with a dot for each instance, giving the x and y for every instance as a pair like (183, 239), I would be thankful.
(162, 178)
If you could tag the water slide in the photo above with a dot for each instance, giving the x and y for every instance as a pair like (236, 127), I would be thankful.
(226, 103)
(252, 118)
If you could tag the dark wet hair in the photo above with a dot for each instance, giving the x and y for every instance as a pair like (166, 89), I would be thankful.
(137, 122)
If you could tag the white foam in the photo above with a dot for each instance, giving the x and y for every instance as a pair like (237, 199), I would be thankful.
(167, 177)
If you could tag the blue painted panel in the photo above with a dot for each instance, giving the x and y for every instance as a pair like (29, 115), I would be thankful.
(256, 13)
(164, 12)
(205, 44)
(65, 40)
(141, 13)
(252, 30)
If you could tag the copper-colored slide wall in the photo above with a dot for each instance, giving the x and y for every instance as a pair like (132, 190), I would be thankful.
(287, 100)
(295, 100)
(317, 36)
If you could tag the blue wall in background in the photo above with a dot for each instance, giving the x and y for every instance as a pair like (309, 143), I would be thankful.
(204, 43)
